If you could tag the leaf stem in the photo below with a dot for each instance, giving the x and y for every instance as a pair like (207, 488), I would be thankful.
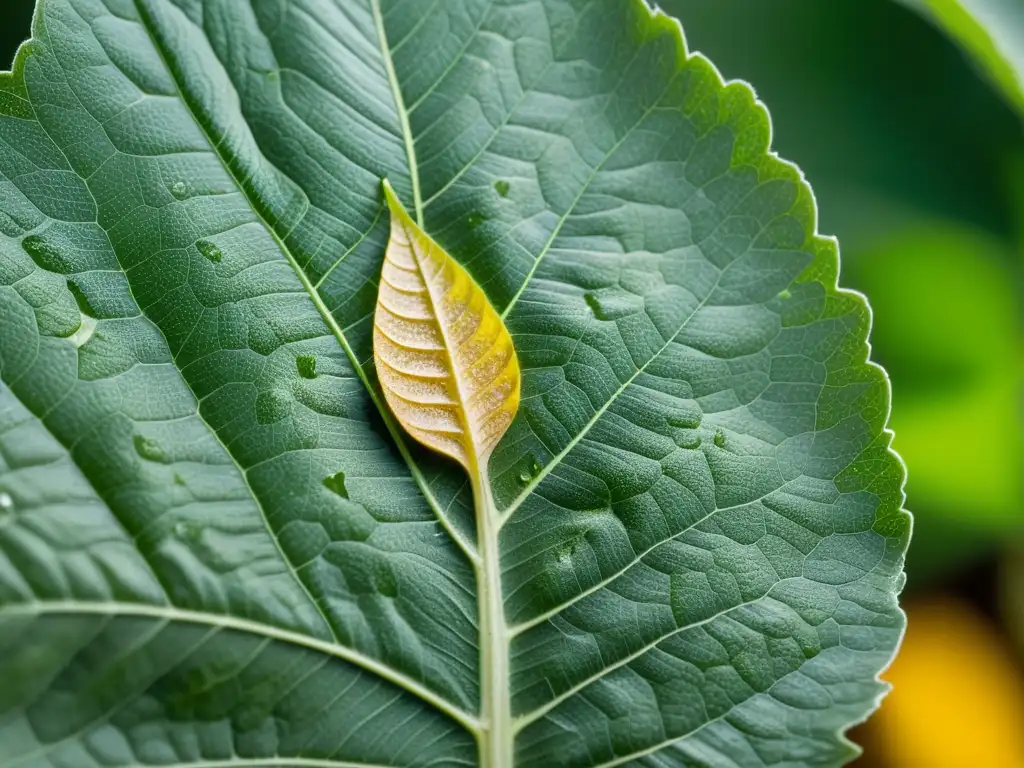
(496, 737)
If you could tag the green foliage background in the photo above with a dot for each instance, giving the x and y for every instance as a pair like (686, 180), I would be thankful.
(917, 166)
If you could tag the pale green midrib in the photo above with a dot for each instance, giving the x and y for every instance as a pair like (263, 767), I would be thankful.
(498, 739)
(495, 739)
(223, 621)
(524, 720)
(385, 413)
(399, 679)
(403, 114)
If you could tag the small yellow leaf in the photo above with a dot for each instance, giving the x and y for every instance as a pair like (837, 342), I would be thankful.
(444, 358)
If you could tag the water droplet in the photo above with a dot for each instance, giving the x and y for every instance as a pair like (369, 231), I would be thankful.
(85, 331)
(336, 483)
(178, 479)
(810, 653)
(502, 187)
(272, 406)
(785, 294)
(306, 365)
(84, 305)
(180, 190)
(720, 438)
(474, 220)
(148, 448)
(210, 251)
(46, 255)
(188, 531)
(6, 508)
(684, 421)
(531, 470)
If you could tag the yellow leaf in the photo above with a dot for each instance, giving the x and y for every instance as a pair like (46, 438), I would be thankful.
(444, 358)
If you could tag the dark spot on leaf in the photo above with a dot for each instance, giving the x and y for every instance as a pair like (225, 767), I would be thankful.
(84, 305)
(148, 448)
(336, 484)
(306, 365)
(684, 421)
(210, 251)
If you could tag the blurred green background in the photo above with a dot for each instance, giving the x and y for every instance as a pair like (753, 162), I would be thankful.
(918, 166)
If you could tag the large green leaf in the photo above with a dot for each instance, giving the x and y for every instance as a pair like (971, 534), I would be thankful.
(992, 31)
(216, 549)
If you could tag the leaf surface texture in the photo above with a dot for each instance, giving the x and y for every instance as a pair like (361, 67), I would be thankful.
(217, 547)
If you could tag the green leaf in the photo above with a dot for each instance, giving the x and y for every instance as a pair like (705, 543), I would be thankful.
(992, 31)
(217, 548)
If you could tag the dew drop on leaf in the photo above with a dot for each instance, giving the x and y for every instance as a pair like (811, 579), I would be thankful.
(148, 448)
(719, 438)
(336, 484)
(188, 531)
(474, 220)
(306, 365)
(501, 187)
(85, 331)
(210, 251)
(6, 504)
(785, 294)
(180, 190)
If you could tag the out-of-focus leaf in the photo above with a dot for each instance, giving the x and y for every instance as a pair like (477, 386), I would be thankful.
(947, 326)
(942, 714)
(992, 31)
(1012, 594)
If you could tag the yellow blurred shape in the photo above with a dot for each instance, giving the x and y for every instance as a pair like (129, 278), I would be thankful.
(958, 697)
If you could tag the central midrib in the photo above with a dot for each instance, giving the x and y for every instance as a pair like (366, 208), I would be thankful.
(495, 740)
